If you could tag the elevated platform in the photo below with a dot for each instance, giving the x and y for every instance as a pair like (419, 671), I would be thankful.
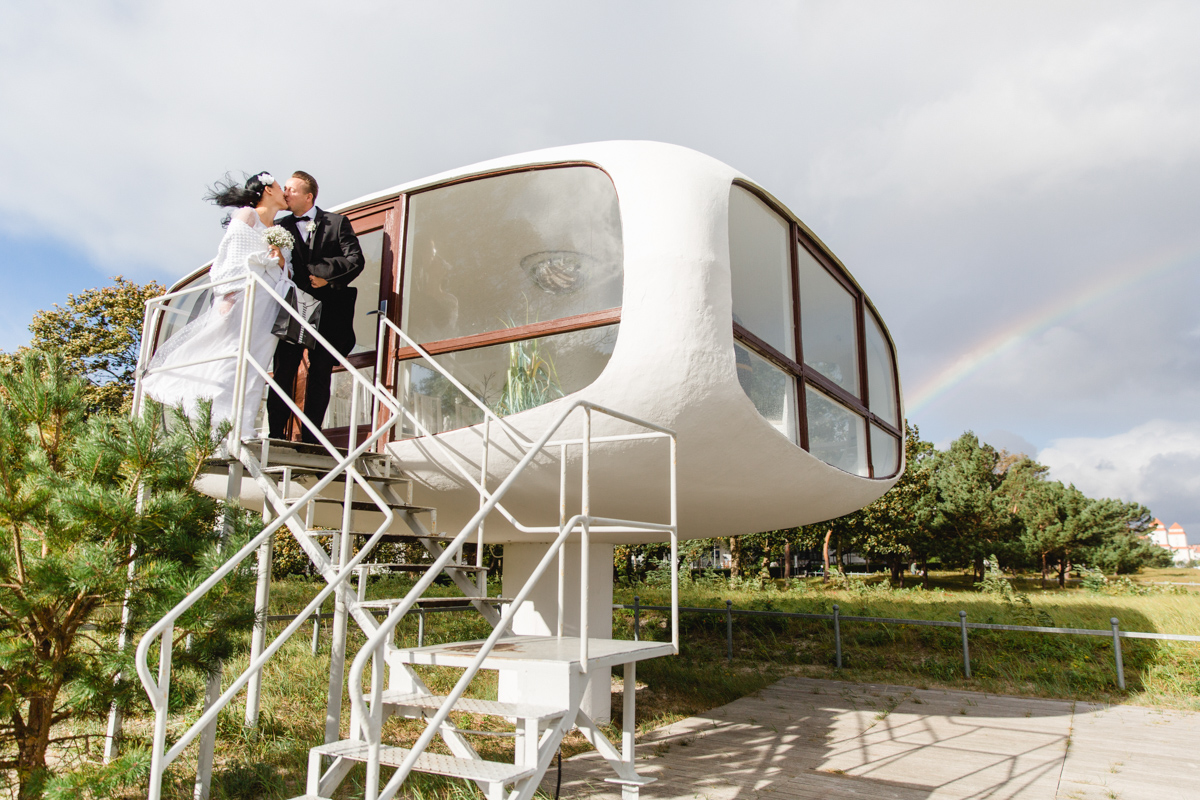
(549, 651)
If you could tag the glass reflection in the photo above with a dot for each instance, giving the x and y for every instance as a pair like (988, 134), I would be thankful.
(885, 452)
(509, 378)
(366, 325)
(881, 378)
(828, 330)
(510, 250)
(182, 310)
(836, 435)
(772, 390)
(759, 262)
(340, 397)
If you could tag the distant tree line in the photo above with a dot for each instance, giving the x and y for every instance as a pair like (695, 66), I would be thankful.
(953, 509)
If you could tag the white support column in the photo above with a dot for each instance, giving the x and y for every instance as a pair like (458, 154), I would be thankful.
(539, 617)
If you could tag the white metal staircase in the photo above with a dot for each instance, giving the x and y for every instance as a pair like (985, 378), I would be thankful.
(305, 488)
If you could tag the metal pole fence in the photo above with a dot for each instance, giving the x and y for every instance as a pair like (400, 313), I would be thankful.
(729, 630)
(962, 621)
(837, 618)
(837, 633)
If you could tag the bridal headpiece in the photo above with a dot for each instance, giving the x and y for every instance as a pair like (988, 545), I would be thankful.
(266, 178)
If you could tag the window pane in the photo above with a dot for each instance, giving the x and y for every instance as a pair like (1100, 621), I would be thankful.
(828, 333)
(509, 378)
(366, 325)
(499, 252)
(881, 378)
(759, 263)
(885, 452)
(183, 310)
(836, 435)
(341, 388)
(772, 390)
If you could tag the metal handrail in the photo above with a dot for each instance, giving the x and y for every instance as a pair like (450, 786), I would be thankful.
(158, 691)
(487, 412)
(372, 718)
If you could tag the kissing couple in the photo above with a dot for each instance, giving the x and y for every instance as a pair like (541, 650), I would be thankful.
(320, 256)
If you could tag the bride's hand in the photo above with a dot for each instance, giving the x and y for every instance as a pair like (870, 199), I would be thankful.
(227, 302)
(277, 254)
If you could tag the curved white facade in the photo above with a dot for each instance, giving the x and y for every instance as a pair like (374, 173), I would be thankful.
(673, 364)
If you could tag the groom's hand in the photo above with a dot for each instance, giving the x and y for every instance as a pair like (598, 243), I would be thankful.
(317, 283)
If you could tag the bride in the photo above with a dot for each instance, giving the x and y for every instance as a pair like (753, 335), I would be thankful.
(172, 376)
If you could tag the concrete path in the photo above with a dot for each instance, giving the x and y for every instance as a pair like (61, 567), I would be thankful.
(801, 739)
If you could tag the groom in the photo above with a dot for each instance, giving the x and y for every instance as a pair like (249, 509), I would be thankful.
(325, 260)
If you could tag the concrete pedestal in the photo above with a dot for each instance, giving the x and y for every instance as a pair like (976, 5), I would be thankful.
(538, 616)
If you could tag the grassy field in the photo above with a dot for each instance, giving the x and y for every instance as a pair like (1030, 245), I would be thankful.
(270, 761)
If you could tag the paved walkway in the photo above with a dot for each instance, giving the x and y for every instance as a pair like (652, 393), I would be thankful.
(802, 739)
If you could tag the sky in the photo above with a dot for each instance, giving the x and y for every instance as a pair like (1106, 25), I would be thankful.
(1015, 185)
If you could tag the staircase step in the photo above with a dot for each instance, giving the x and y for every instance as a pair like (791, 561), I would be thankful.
(392, 602)
(466, 768)
(367, 505)
(320, 473)
(470, 705)
(389, 536)
(398, 567)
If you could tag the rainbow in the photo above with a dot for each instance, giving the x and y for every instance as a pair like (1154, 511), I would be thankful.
(1041, 319)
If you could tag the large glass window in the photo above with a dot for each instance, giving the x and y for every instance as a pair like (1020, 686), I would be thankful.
(511, 250)
(182, 310)
(815, 373)
(508, 378)
(760, 267)
(828, 324)
(772, 390)
(518, 278)
(836, 435)
(881, 375)
(366, 325)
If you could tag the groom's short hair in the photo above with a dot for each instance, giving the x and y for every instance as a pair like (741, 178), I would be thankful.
(309, 181)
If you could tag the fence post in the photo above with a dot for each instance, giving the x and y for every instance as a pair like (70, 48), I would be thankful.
(837, 635)
(316, 631)
(637, 618)
(729, 630)
(420, 627)
(1116, 628)
(962, 622)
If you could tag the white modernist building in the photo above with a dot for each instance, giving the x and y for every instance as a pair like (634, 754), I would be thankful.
(641, 277)
(645, 277)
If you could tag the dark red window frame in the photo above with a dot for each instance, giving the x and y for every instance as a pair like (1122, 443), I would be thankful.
(805, 374)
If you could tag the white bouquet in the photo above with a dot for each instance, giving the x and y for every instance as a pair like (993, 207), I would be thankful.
(276, 236)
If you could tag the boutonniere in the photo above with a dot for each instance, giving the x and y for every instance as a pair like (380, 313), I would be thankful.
(310, 227)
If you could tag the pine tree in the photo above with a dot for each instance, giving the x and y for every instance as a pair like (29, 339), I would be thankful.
(81, 498)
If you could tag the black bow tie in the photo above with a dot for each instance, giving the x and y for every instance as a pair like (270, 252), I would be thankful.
(301, 219)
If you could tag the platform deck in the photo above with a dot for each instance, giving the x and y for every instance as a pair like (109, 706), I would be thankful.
(546, 650)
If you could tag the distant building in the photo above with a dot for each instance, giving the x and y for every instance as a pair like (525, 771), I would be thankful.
(1175, 539)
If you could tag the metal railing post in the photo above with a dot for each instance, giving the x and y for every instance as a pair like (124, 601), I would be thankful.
(420, 626)
(729, 631)
(316, 632)
(637, 623)
(1116, 630)
(962, 623)
(837, 635)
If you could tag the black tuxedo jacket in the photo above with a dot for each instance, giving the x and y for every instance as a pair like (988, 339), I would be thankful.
(333, 253)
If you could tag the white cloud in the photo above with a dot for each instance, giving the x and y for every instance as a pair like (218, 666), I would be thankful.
(1114, 93)
(1156, 463)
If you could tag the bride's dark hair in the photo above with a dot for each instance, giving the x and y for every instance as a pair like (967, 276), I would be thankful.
(229, 194)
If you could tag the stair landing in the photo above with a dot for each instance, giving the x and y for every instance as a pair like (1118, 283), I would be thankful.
(510, 652)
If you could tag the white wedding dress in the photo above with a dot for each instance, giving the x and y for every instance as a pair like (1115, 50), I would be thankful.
(215, 332)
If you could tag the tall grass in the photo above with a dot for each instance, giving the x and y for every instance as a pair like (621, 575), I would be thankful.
(270, 761)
